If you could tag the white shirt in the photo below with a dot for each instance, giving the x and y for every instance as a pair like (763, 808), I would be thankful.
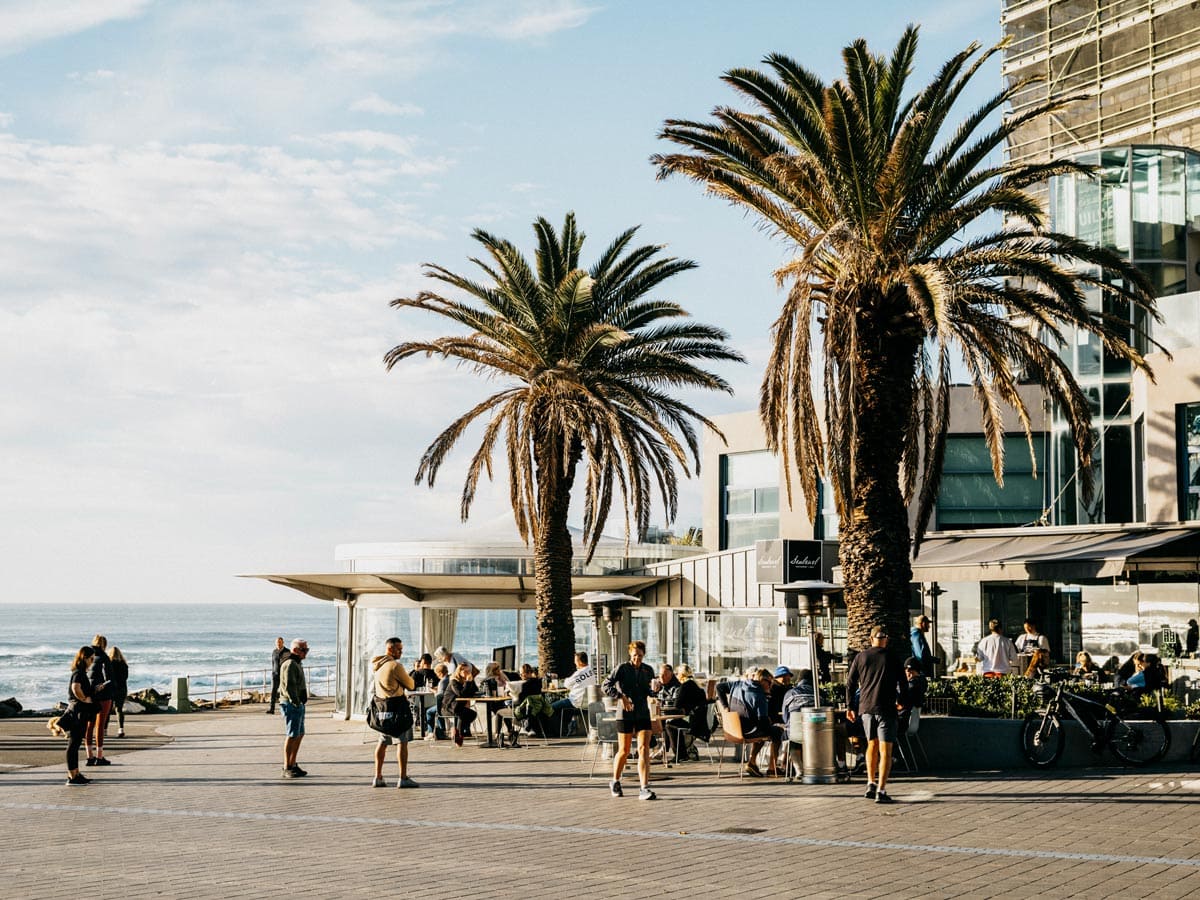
(1026, 643)
(996, 654)
(578, 682)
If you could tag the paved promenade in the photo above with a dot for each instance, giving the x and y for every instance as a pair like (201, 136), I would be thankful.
(207, 815)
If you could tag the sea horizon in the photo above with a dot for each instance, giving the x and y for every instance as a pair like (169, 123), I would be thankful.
(161, 641)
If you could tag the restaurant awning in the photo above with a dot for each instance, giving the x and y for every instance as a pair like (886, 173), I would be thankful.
(1056, 554)
(447, 590)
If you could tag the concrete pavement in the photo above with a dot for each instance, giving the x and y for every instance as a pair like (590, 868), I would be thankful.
(207, 815)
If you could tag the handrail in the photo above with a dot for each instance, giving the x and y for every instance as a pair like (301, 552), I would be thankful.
(259, 680)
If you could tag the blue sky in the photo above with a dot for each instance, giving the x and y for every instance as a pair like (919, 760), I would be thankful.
(207, 207)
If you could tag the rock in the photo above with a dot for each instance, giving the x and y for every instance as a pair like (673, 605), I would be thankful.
(10, 708)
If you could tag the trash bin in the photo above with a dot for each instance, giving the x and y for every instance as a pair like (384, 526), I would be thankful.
(817, 726)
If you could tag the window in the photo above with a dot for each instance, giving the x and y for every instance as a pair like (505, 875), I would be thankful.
(749, 498)
(969, 496)
(1187, 442)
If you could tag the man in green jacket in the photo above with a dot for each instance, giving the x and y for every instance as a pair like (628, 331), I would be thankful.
(293, 695)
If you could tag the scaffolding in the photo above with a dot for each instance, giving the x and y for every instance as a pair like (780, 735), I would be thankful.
(1134, 64)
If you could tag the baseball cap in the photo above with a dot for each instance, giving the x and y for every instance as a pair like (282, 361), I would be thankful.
(912, 663)
(782, 671)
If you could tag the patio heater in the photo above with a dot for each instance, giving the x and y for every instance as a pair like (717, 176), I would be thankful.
(608, 608)
(809, 598)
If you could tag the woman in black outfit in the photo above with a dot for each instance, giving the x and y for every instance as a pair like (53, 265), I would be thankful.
(119, 689)
(629, 684)
(461, 685)
(693, 702)
(81, 710)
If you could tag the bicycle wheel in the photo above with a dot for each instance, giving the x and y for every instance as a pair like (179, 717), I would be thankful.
(1140, 742)
(1042, 739)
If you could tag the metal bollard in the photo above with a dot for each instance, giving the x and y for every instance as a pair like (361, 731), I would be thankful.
(179, 697)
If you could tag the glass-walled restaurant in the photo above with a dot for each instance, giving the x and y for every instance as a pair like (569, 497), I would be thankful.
(1108, 590)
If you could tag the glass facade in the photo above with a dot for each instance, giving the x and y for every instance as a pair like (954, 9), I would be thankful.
(372, 628)
(1138, 205)
(749, 498)
(969, 496)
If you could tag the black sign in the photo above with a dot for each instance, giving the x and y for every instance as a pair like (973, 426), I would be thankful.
(784, 561)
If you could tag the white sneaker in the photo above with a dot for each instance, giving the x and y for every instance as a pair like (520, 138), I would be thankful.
(120, 732)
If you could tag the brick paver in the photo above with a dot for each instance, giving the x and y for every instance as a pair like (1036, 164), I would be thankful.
(208, 815)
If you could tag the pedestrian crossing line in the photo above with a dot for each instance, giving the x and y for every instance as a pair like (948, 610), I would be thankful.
(578, 830)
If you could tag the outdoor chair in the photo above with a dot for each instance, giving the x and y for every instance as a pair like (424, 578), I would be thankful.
(795, 746)
(731, 733)
(908, 742)
(603, 731)
(572, 714)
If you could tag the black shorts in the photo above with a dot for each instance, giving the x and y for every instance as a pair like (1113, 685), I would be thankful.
(633, 725)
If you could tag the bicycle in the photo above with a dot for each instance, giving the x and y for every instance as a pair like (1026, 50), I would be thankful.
(1137, 743)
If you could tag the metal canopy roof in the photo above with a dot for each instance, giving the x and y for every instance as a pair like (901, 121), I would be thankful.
(1056, 554)
(444, 590)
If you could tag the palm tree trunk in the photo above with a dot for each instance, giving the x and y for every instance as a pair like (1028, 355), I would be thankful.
(552, 556)
(874, 543)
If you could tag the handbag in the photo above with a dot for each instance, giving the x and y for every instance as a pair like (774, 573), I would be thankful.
(390, 715)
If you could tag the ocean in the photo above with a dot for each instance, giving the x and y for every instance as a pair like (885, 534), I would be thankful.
(160, 641)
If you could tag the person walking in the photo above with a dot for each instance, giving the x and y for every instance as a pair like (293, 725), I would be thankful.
(100, 677)
(630, 684)
(80, 711)
(119, 687)
(278, 655)
(1191, 639)
(880, 684)
(391, 680)
(293, 696)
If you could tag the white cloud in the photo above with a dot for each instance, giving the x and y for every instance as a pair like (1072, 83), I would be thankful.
(539, 19)
(93, 77)
(23, 24)
(373, 103)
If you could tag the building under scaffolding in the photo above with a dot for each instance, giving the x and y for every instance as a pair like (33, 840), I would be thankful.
(1134, 63)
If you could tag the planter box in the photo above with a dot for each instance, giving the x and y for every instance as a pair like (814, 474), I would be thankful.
(958, 742)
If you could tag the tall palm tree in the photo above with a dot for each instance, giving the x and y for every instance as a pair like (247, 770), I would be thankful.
(587, 362)
(873, 189)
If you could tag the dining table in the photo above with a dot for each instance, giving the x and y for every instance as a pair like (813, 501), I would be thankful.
(421, 701)
(487, 711)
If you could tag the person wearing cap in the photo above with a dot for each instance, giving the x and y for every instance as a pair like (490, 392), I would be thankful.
(779, 688)
(293, 695)
(920, 645)
(880, 684)
(750, 699)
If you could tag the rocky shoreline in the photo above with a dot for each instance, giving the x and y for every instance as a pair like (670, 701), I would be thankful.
(143, 702)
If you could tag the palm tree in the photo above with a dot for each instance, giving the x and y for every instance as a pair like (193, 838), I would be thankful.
(873, 190)
(588, 363)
